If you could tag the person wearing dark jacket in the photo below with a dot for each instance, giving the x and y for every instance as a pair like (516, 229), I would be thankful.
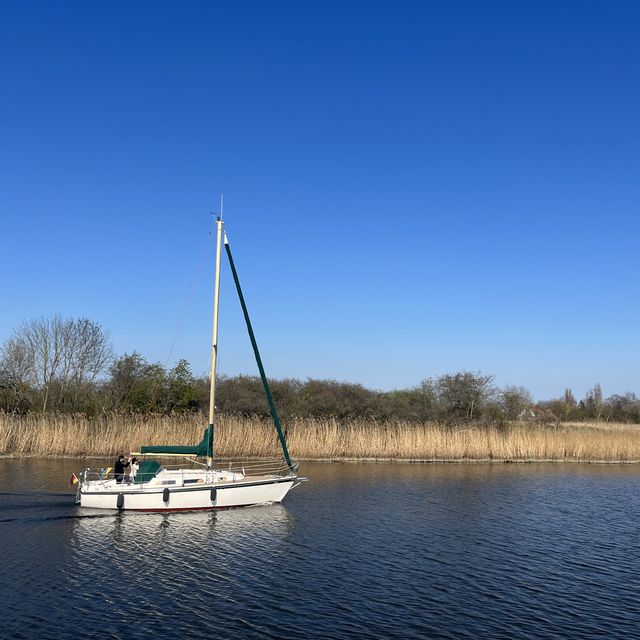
(119, 468)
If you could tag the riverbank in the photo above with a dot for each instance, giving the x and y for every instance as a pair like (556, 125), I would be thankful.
(321, 439)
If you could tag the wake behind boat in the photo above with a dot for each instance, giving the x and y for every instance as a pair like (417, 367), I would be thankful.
(199, 483)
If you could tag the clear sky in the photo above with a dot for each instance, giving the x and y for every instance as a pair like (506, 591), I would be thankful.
(411, 188)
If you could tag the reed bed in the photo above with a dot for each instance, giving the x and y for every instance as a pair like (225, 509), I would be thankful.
(64, 435)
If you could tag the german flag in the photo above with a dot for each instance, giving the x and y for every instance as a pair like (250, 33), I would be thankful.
(73, 480)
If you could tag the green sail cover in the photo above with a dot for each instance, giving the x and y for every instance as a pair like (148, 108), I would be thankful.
(205, 448)
(147, 471)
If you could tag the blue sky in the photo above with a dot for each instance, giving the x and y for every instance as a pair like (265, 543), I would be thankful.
(411, 188)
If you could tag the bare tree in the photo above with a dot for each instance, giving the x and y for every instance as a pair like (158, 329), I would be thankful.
(41, 341)
(57, 352)
(569, 399)
(14, 374)
(516, 402)
(464, 394)
(595, 402)
(86, 354)
(598, 400)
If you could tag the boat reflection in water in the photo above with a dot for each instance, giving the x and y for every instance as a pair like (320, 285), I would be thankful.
(148, 533)
(148, 552)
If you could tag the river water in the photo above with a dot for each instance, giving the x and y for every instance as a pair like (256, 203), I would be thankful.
(359, 551)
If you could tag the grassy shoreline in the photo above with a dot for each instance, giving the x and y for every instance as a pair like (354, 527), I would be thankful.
(322, 439)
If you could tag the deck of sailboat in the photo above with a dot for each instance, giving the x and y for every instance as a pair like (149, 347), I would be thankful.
(257, 478)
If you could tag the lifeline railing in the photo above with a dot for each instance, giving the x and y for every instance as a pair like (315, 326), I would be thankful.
(247, 467)
(257, 467)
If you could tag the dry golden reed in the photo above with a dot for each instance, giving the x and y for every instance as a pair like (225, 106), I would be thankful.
(308, 438)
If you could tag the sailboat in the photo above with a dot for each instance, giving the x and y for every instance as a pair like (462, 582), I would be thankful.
(199, 483)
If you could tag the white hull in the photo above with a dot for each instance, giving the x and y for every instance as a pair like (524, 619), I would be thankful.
(219, 495)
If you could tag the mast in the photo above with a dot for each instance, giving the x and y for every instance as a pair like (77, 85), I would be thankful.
(214, 342)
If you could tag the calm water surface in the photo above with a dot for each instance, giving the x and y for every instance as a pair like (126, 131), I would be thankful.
(360, 551)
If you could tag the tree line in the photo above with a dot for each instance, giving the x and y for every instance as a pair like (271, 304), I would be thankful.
(64, 365)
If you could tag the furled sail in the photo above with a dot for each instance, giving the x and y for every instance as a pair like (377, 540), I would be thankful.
(203, 449)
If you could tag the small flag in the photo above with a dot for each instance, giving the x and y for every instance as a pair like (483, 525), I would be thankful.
(73, 480)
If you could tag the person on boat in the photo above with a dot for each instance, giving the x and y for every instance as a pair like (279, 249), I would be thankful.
(119, 468)
(135, 464)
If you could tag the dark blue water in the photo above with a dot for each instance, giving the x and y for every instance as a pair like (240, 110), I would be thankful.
(360, 551)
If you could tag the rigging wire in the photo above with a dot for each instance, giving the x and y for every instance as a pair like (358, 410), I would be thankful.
(194, 282)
